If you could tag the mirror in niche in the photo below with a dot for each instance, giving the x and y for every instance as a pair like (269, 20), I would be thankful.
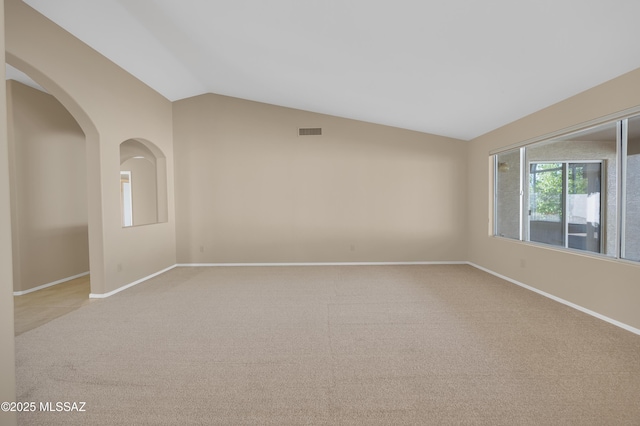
(143, 183)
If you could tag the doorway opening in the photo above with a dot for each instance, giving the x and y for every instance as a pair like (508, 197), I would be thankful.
(49, 207)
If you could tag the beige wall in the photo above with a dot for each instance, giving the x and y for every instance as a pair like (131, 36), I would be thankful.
(249, 189)
(7, 351)
(601, 285)
(48, 189)
(110, 106)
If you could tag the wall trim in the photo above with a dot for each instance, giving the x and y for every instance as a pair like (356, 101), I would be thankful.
(560, 300)
(124, 287)
(63, 280)
(454, 262)
(489, 271)
(118, 290)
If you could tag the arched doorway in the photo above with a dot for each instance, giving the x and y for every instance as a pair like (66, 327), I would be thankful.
(48, 205)
(92, 164)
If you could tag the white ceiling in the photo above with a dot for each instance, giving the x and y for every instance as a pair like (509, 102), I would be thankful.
(458, 68)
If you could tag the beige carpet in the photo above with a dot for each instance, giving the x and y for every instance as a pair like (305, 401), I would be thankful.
(369, 345)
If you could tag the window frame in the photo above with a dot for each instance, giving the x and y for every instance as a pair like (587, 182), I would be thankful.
(621, 120)
(565, 165)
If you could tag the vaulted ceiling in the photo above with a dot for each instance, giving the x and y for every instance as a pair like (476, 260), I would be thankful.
(458, 68)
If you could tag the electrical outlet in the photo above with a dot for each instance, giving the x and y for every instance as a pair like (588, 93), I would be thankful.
(119, 267)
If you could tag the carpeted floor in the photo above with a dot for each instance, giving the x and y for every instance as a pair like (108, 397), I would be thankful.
(361, 345)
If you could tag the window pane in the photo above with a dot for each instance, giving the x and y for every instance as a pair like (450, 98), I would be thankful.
(546, 205)
(631, 238)
(583, 206)
(507, 207)
(572, 185)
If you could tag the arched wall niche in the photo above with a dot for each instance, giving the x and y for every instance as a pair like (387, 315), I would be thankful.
(94, 200)
(143, 183)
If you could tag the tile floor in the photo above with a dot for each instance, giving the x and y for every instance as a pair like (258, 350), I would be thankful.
(32, 310)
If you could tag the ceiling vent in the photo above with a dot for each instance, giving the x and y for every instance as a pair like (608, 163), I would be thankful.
(310, 131)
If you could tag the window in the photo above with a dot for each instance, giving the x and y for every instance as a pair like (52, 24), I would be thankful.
(577, 191)
(631, 216)
(564, 204)
(507, 194)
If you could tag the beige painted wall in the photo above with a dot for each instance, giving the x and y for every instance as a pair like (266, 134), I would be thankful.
(48, 189)
(249, 189)
(608, 287)
(7, 351)
(110, 106)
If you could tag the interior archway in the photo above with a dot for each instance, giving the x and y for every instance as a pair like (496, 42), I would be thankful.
(94, 201)
(48, 200)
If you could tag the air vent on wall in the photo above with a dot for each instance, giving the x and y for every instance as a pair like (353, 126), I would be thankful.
(312, 131)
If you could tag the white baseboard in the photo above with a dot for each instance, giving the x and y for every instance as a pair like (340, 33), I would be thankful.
(518, 283)
(64, 280)
(323, 264)
(118, 290)
(558, 299)
(111, 293)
